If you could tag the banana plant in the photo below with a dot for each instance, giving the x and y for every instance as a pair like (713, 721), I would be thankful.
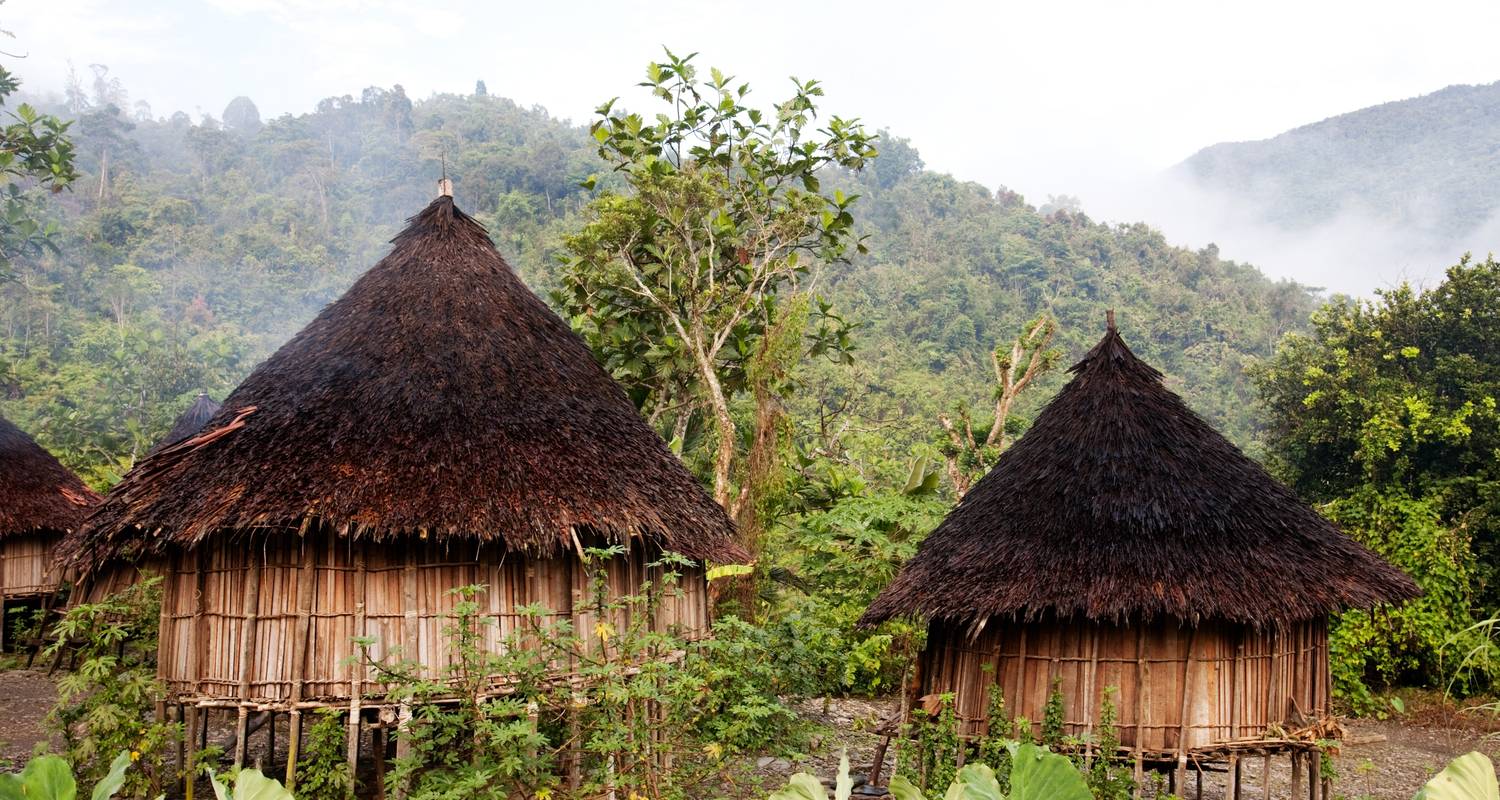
(1468, 777)
(51, 778)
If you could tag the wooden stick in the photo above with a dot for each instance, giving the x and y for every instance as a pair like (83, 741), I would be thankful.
(306, 583)
(1296, 775)
(356, 669)
(251, 612)
(190, 767)
(1233, 791)
(1141, 678)
(1265, 777)
(1187, 705)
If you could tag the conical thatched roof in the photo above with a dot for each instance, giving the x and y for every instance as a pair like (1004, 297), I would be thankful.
(438, 397)
(37, 492)
(189, 421)
(1122, 503)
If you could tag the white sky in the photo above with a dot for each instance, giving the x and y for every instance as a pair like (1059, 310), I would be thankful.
(1083, 97)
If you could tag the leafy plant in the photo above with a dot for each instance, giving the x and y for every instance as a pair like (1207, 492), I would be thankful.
(250, 784)
(51, 778)
(324, 769)
(1034, 774)
(1468, 777)
(107, 704)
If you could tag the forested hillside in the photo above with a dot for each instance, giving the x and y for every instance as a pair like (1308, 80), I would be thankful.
(190, 249)
(1428, 163)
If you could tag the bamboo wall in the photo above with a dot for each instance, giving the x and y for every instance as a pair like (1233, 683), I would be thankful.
(26, 564)
(1179, 688)
(273, 623)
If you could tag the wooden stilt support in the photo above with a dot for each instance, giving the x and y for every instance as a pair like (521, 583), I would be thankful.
(1296, 776)
(1315, 774)
(190, 766)
(357, 670)
(1232, 779)
(378, 735)
(182, 740)
(293, 745)
(1200, 781)
(1265, 777)
(575, 744)
(241, 728)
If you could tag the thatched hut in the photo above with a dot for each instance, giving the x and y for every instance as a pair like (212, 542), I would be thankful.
(436, 426)
(1123, 542)
(41, 501)
(118, 574)
(189, 422)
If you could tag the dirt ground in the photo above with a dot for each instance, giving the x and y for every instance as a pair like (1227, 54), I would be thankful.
(1386, 760)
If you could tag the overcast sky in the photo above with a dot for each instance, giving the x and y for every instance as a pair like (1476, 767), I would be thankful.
(1077, 97)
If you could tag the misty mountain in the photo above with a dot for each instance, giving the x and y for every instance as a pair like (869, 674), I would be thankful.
(1429, 165)
(191, 249)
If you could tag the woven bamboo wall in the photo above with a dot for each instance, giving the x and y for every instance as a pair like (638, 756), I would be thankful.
(1180, 688)
(26, 564)
(273, 623)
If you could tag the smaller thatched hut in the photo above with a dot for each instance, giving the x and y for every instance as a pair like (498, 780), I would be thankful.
(41, 501)
(118, 574)
(1124, 542)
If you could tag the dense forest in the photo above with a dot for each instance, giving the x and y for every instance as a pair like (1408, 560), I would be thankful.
(189, 249)
(1425, 165)
(835, 340)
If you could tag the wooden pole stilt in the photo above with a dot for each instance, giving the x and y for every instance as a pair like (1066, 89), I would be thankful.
(1315, 774)
(1232, 779)
(357, 670)
(293, 745)
(182, 740)
(241, 727)
(1265, 777)
(1199, 769)
(190, 766)
(1296, 776)
(378, 735)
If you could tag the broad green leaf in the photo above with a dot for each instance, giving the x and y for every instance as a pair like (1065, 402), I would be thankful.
(1468, 777)
(250, 784)
(979, 783)
(844, 785)
(903, 789)
(1036, 774)
(111, 783)
(802, 786)
(49, 778)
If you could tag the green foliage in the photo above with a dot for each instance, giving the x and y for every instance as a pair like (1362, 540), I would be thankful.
(1468, 777)
(686, 281)
(250, 784)
(1386, 412)
(323, 770)
(108, 703)
(1106, 780)
(51, 778)
(647, 711)
(36, 157)
(1034, 774)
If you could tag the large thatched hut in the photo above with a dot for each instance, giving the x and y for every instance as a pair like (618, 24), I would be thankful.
(1123, 542)
(437, 426)
(41, 501)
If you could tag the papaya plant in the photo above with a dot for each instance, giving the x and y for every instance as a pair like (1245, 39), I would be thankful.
(51, 778)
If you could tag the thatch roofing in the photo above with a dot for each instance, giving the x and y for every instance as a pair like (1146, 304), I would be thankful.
(437, 397)
(36, 491)
(1121, 503)
(190, 421)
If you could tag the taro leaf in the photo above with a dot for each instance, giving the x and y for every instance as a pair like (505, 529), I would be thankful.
(1036, 774)
(1468, 777)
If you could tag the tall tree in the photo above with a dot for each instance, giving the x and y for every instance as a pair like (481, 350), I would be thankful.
(35, 154)
(689, 279)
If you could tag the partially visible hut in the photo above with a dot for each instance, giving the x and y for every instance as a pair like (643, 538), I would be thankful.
(119, 574)
(437, 426)
(1123, 542)
(189, 422)
(41, 501)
